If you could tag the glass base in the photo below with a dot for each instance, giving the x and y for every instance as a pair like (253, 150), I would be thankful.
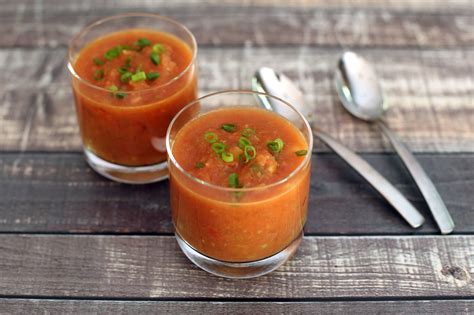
(127, 174)
(239, 270)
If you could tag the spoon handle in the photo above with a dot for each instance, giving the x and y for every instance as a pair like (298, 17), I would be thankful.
(383, 186)
(424, 183)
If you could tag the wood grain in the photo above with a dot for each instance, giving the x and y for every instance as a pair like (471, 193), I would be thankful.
(35, 306)
(154, 267)
(56, 193)
(431, 93)
(263, 23)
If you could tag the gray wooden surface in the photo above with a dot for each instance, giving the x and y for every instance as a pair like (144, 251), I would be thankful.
(73, 242)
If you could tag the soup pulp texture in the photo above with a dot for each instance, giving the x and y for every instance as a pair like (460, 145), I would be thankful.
(238, 147)
(132, 84)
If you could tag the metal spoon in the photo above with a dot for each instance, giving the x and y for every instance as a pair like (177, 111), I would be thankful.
(268, 81)
(361, 94)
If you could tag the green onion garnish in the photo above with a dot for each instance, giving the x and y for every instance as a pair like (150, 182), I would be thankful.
(158, 48)
(301, 152)
(125, 77)
(276, 145)
(143, 42)
(152, 75)
(122, 70)
(98, 62)
(218, 147)
(210, 137)
(250, 153)
(139, 76)
(234, 181)
(113, 53)
(228, 127)
(99, 74)
(247, 132)
(227, 157)
(155, 58)
(199, 165)
(113, 88)
(243, 142)
(120, 95)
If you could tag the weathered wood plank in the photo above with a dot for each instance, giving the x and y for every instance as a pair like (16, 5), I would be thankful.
(431, 93)
(59, 193)
(153, 267)
(363, 24)
(34, 306)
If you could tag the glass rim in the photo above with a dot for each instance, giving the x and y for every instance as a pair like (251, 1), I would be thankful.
(93, 24)
(249, 189)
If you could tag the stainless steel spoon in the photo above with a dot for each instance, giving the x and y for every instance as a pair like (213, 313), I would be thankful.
(268, 81)
(361, 94)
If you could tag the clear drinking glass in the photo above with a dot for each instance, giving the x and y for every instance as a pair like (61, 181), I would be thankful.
(259, 228)
(124, 139)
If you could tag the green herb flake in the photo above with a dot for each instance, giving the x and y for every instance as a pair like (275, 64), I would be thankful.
(125, 77)
(234, 181)
(152, 75)
(155, 58)
(228, 127)
(301, 152)
(98, 62)
(99, 75)
(276, 145)
(158, 48)
(200, 165)
(140, 76)
(143, 42)
(113, 53)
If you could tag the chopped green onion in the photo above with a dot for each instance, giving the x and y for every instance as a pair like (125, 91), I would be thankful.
(113, 88)
(301, 152)
(140, 76)
(152, 75)
(122, 70)
(250, 153)
(210, 137)
(99, 74)
(276, 145)
(218, 147)
(227, 157)
(199, 165)
(243, 142)
(247, 132)
(98, 62)
(113, 53)
(158, 48)
(120, 95)
(125, 77)
(228, 127)
(234, 181)
(143, 42)
(155, 58)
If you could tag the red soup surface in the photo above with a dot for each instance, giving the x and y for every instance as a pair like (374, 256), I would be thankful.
(146, 77)
(247, 149)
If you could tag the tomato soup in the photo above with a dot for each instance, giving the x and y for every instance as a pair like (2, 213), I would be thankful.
(243, 193)
(132, 84)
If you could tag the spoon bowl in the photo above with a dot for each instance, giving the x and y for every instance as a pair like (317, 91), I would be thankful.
(358, 88)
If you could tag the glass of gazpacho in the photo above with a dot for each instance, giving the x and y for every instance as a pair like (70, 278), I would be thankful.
(131, 74)
(239, 182)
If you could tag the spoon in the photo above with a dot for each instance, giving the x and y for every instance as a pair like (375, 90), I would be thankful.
(268, 81)
(360, 93)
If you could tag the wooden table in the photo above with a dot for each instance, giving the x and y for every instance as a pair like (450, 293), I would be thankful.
(72, 241)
